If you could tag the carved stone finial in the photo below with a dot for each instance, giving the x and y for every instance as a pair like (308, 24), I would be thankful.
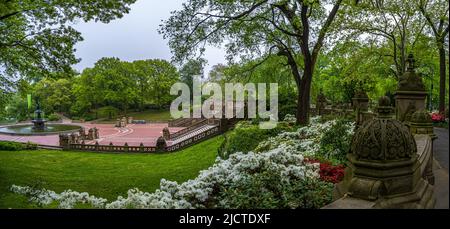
(410, 80)
(411, 63)
(384, 107)
(383, 138)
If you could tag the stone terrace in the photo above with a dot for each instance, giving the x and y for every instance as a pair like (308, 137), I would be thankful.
(133, 134)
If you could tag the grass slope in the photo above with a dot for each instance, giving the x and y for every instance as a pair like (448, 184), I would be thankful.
(152, 115)
(103, 175)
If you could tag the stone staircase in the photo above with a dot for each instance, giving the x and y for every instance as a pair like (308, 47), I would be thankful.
(192, 133)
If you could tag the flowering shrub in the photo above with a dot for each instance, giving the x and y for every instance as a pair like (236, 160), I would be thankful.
(329, 140)
(436, 117)
(275, 175)
(328, 172)
(335, 142)
(246, 136)
(289, 118)
(273, 179)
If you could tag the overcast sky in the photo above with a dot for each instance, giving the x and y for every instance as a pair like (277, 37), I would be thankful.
(133, 37)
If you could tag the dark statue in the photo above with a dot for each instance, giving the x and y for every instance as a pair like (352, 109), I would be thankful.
(38, 122)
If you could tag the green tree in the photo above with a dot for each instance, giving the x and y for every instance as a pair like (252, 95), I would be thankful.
(395, 21)
(54, 95)
(36, 37)
(192, 69)
(109, 82)
(436, 15)
(154, 79)
(293, 29)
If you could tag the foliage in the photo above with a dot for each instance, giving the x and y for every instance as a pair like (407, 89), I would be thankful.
(17, 108)
(36, 37)
(53, 117)
(329, 172)
(123, 85)
(436, 117)
(308, 140)
(11, 146)
(274, 179)
(106, 175)
(153, 80)
(54, 95)
(16, 146)
(107, 112)
(294, 30)
(335, 142)
(246, 136)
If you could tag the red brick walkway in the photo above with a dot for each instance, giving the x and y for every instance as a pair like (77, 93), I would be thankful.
(133, 134)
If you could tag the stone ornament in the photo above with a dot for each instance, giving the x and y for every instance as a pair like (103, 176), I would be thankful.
(410, 81)
(383, 138)
(421, 123)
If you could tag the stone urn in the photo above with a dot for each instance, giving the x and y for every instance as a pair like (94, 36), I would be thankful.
(383, 165)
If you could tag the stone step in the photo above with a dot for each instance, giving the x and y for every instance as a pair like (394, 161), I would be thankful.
(193, 133)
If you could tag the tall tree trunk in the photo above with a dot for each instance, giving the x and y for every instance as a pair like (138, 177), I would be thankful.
(304, 95)
(442, 78)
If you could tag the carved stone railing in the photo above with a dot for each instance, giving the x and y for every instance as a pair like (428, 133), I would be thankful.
(188, 129)
(195, 139)
(112, 148)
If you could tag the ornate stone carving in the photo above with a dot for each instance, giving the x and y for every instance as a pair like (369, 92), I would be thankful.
(383, 168)
(410, 81)
(161, 144)
(166, 133)
(383, 139)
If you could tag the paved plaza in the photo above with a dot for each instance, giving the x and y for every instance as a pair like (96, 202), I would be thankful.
(133, 134)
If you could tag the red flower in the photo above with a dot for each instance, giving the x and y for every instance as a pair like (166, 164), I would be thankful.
(436, 117)
(328, 172)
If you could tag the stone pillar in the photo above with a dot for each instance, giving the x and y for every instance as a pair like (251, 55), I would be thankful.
(118, 123)
(73, 139)
(383, 169)
(90, 134)
(166, 133)
(360, 105)
(421, 123)
(96, 133)
(161, 144)
(410, 95)
(64, 141)
(82, 133)
(130, 120)
(361, 101)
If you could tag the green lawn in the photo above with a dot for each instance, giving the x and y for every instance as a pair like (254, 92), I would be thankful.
(103, 175)
(152, 115)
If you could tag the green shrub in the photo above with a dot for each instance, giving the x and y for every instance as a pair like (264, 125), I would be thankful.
(335, 143)
(17, 146)
(53, 117)
(109, 112)
(11, 146)
(246, 137)
(268, 190)
(31, 146)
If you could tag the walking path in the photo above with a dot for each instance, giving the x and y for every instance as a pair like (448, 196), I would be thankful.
(441, 154)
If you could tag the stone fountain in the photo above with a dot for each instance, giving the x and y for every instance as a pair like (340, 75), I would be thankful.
(38, 122)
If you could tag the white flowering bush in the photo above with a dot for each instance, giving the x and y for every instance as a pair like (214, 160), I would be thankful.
(67, 199)
(273, 179)
(306, 140)
(275, 175)
(290, 118)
